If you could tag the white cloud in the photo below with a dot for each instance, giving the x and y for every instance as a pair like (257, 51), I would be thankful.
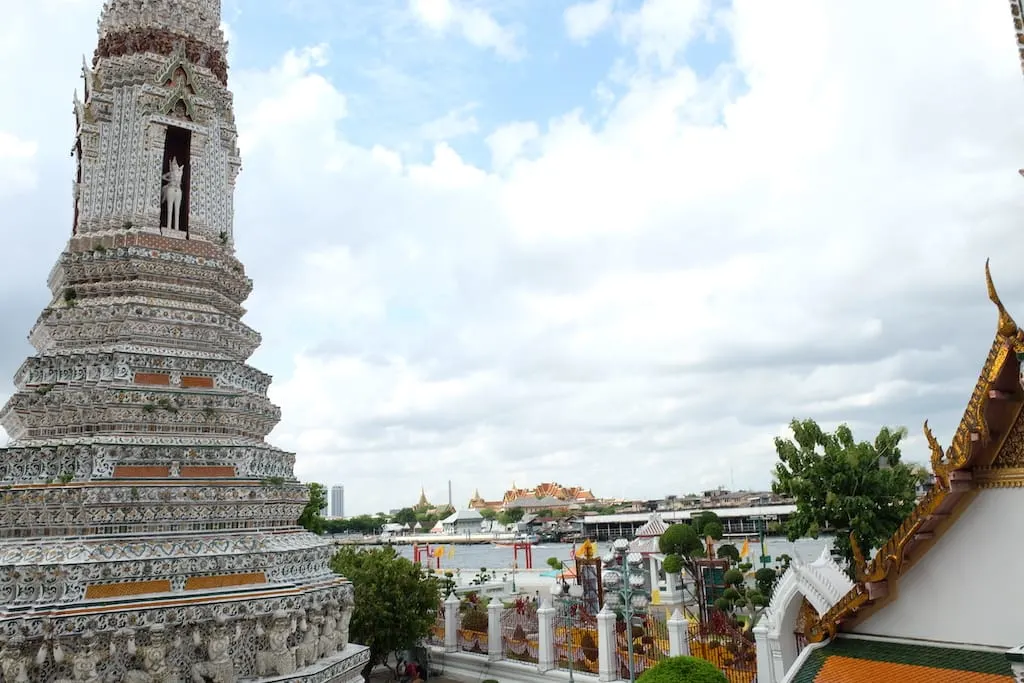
(662, 29)
(508, 141)
(586, 19)
(17, 172)
(456, 123)
(436, 14)
(475, 24)
(665, 285)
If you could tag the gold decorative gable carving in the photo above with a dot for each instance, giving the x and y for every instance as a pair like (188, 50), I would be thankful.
(987, 451)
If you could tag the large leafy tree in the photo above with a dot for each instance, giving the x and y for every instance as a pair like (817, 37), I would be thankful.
(405, 516)
(311, 518)
(844, 485)
(396, 601)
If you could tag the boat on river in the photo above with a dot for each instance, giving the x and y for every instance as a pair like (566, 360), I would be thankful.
(525, 538)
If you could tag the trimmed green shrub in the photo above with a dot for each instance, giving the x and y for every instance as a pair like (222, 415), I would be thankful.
(683, 670)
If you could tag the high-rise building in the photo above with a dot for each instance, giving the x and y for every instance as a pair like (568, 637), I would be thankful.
(338, 501)
(148, 531)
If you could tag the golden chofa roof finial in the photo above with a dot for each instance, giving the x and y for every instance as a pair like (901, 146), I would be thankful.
(1007, 326)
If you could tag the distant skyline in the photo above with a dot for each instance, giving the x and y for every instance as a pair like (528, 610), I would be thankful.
(337, 501)
(616, 243)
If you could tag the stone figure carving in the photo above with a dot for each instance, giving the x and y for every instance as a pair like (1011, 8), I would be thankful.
(86, 661)
(172, 194)
(218, 668)
(347, 605)
(330, 637)
(307, 649)
(14, 663)
(278, 658)
(153, 658)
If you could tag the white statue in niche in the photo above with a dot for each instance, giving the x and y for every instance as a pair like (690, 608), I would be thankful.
(172, 194)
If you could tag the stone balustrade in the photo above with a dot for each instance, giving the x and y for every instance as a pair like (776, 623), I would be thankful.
(464, 653)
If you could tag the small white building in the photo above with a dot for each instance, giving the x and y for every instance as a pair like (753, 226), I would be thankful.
(463, 523)
(646, 544)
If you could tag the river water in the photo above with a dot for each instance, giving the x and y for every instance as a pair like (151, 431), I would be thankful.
(477, 557)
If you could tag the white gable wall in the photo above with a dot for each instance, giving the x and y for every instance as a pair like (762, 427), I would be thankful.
(964, 590)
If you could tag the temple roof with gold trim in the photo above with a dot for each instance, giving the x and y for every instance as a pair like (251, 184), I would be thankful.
(987, 451)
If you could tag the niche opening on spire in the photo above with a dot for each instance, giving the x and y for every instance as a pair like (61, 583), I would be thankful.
(177, 146)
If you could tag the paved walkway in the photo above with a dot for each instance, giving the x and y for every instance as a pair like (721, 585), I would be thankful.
(383, 675)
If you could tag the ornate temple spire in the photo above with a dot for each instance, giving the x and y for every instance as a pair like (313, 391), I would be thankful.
(199, 19)
(128, 27)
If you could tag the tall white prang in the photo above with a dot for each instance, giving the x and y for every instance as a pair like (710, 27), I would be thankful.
(147, 530)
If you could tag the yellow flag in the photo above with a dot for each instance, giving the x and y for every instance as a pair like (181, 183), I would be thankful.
(451, 551)
(745, 550)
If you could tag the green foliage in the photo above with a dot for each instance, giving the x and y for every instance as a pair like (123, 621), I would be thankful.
(362, 524)
(448, 583)
(673, 564)
(765, 579)
(510, 516)
(554, 563)
(683, 670)
(727, 551)
(396, 601)
(706, 524)
(681, 540)
(848, 486)
(488, 513)
(681, 545)
(405, 516)
(311, 519)
(733, 576)
(744, 566)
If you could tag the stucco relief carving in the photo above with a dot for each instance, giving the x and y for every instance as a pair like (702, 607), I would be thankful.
(218, 666)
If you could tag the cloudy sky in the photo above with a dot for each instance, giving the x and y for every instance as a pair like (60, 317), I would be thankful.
(618, 244)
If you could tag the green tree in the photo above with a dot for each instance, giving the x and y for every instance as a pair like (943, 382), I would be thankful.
(683, 670)
(405, 516)
(396, 601)
(510, 516)
(707, 523)
(739, 598)
(488, 513)
(681, 546)
(311, 519)
(766, 578)
(859, 488)
(727, 551)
